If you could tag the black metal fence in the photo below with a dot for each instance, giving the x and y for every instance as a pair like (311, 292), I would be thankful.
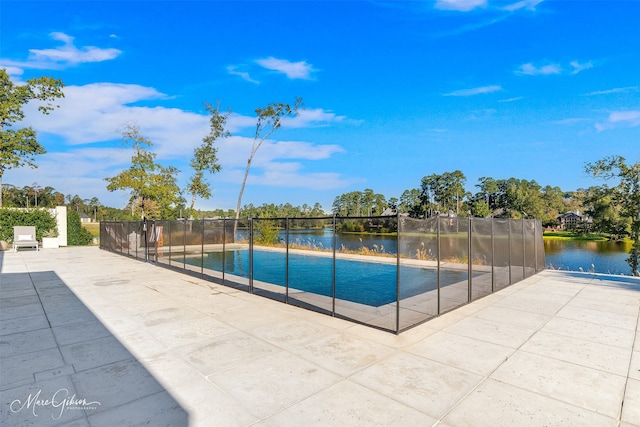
(391, 272)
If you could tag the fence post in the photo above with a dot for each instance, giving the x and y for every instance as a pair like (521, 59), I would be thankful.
(438, 259)
(535, 245)
(286, 262)
(469, 266)
(333, 272)
(398, 274)
(224, 246)
(250, 255)
(524, 250)
(202, 252)
(493, 257)
(129, 243)
(157, 237)
(184, 243)
(509, 234)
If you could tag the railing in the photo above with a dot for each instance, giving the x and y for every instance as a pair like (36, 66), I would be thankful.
(390, 272)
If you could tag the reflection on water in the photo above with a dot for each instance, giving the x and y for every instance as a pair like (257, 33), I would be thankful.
(598, 257)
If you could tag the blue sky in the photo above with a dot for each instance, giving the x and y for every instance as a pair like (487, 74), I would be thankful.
(393, 91)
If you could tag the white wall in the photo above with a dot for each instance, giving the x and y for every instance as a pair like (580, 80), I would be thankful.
(60, 214)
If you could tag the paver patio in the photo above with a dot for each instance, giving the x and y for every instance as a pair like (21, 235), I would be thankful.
(91, 338)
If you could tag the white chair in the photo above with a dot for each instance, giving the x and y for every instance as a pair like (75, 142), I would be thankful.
(24, 236)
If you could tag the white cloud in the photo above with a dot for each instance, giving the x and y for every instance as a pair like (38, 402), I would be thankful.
(627, 119)
(278, 163)
(571, 121)
(531, 70)
(460, 5)
(475, 91)
(95, 114)
(574, 67)
(524, 4)
(293, 70)
(233, 70)
(578, 67)
(66, 55)
(517, 98)
(614, 90)
(234, 151)
(312, 117)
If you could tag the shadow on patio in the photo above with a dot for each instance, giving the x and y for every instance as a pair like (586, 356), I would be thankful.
(59, 364)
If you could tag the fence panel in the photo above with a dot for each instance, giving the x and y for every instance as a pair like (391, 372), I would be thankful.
(540, 257)
(481, 257)
(193, 248)
(517, 250)
(418, 262)
(501, 254)
(160, 239)
(454, 262)
(177, 241)
(213, 257)
(529, 247)
(236, 256)
(365, 273)
(269, 257)
(310, 262)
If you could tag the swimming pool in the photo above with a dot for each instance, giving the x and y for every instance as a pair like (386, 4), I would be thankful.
(369, 283)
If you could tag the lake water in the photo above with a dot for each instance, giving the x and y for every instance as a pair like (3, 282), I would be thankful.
(599, 257)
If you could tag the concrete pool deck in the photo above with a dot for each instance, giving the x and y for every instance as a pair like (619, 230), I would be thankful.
(91, 338)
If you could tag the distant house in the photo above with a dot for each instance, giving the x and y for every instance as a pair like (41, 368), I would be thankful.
(84, 217)
(573, 220)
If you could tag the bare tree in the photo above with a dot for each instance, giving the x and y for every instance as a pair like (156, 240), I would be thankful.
(269, 119)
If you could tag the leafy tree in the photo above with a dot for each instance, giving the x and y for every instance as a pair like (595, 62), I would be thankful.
(76, 202)
(205, 156)
(266, 232)
(411, 203)
(269, 120)
(489, 191)
(270, 210)
(521, 198)
(447, 190)
(359, 203)
(553, 199)
(153, 187)
(393, 204)
(606, 215)
(18, 146)
(94, 205)
(625, 195)
(480, 209)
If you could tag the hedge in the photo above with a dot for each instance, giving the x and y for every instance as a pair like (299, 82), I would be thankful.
(40, 218)
(77, 235)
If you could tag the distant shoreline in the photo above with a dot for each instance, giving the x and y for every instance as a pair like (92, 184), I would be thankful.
(566, 235)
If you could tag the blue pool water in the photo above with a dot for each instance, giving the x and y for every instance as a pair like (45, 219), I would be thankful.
(367, 283)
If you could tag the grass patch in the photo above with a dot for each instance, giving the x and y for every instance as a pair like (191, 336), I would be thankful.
(93, 227)
(566, 235)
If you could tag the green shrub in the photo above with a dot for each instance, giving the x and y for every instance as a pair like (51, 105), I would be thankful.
(11, 217)
(77, 235)
(266, 232)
